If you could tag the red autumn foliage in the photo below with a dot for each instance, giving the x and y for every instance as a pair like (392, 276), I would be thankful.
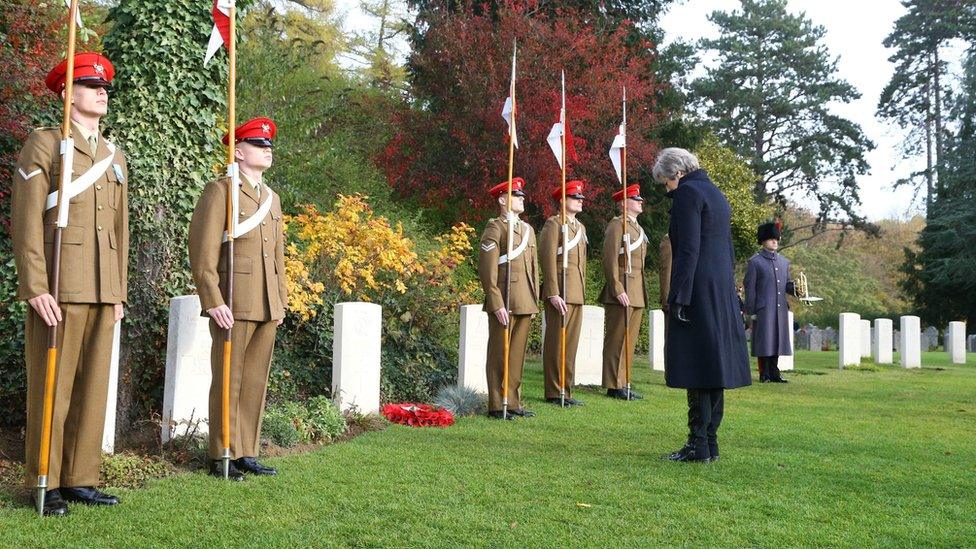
(418, 415)
(34, 36)
(451, 144)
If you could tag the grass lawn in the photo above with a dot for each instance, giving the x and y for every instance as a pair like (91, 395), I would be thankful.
(853, 458)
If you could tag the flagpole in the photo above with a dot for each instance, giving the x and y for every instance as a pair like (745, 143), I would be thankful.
(50, 373)
(565, 261)
(626, 243)
(511, 235)
(229, 250)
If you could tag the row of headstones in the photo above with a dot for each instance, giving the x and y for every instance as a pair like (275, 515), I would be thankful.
(472, 353)
(858, 339)
(356, 356)
(355, 363)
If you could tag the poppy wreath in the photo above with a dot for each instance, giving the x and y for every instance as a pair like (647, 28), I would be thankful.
(418, 415)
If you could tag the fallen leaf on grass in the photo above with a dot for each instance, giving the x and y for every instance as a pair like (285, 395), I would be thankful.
(584, 505)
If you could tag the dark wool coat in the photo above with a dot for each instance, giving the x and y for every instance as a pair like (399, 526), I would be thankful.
(709, 352)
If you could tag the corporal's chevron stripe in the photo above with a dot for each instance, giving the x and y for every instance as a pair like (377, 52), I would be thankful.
(488, 247)
(27, 176)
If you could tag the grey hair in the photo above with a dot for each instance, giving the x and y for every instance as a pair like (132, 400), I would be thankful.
(673, 160)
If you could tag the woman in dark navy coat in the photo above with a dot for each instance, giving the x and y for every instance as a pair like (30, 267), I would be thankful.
(705, 347)
(766, 285)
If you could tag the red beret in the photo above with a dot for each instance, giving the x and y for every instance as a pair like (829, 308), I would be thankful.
(90, 68)
(258, 131)
(574, 189)
(633, 191)
(502, 188)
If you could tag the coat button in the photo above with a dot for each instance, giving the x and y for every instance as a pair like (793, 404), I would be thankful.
(99, 207)
(263, 223)
(99, 227)
(98, 187)
(265, 256)
(265, 239)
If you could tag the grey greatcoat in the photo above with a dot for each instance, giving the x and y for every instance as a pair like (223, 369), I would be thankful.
(767, 278)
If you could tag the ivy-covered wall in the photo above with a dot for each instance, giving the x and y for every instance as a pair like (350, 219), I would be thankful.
(167, 113)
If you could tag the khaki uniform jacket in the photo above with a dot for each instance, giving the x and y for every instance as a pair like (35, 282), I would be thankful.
(550, 244)
(615, 264)
(260, 286)
(94, 245)
(524, 295)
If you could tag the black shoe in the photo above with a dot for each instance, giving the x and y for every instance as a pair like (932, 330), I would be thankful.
(233, 473)
(689, 453)
(765, 380)
(568, 403)
(712, 452)
(54, 504)
(88, 495)
(497, 414)
(522, 412)
(574, 402)
(622, 394)
(778, 380)
(251, 465)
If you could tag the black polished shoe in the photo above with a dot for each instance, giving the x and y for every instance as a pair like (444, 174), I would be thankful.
(574, 402)
(522, 412)
(88, 495)
(712, 452)
(497, 414)
(689, 453)
(567, 403)
(54, 504)
(622, 394)
(251, 465)
(778, 380)
(233, 473)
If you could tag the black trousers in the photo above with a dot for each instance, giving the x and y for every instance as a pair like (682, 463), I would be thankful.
(769, 368)
(705, 410)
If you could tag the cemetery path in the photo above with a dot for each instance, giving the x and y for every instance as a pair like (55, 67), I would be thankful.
(856, 457)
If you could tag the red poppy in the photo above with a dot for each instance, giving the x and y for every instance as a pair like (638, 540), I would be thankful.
(418, 415)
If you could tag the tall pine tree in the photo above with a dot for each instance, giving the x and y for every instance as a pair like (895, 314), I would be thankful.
(768, 99)
(916, 97)
(940, 275)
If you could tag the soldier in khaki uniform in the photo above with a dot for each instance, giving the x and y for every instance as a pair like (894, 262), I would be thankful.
(618, 302)
(92, 286)
(259, 294)
(522, 303)
(551, 254)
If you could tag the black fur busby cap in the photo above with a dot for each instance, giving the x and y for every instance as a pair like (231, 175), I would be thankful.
(773, 229)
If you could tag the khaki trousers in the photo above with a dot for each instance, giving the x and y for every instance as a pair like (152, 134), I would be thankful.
(250, 363)
(519, 326)
(81, 389)
(614, 372)
(550, 356)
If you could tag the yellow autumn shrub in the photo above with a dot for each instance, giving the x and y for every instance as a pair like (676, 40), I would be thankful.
(362, 256)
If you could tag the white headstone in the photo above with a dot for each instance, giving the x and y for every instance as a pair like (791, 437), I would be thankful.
(911, 342)
(882, 344)
(186, 392)
(971, 340)
(786, 362)
(111, 403)
(849, 339)
(589, 354)
(356, 356)
(956, 334)
(865, 338)
(655, 335)
(473, 348)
